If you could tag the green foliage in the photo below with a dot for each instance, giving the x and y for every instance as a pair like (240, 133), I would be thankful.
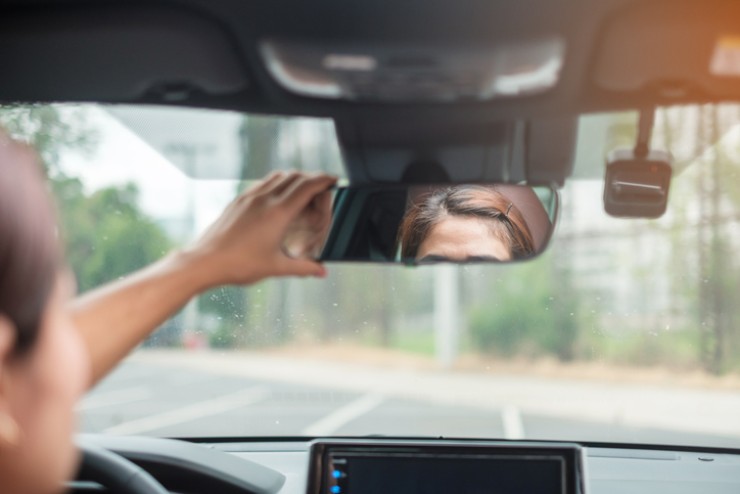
(50, 130)
(106, 234)
(224, 337)
(673, 348)
(536, 313)
(228, 304)
(416, 342)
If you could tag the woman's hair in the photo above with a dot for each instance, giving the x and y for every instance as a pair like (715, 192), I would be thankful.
(507, 222)
(29, 251)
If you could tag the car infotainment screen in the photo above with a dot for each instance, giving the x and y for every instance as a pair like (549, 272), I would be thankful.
(387, 469)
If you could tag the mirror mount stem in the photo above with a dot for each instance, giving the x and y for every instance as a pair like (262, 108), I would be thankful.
(644, 132)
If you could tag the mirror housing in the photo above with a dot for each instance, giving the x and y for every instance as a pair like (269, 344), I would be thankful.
(637, 186)
(397, 223)
(533, 152)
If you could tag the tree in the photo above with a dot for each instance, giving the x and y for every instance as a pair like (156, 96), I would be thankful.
(106, 235)
(51, 130)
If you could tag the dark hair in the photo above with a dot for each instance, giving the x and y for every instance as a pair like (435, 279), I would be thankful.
(29, 251)
(466, 200)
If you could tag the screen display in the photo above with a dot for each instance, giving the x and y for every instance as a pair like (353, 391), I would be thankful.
(445, 474)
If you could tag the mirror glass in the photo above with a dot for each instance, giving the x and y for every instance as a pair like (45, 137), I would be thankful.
(421, 224)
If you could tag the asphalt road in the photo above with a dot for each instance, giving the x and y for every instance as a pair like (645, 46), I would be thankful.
(177, 398)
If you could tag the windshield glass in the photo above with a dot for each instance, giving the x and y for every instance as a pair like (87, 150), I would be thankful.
(623, 331)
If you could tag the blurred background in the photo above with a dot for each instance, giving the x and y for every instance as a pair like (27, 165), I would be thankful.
(647, 302)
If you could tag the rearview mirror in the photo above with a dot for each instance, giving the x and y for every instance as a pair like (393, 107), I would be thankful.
(422, 224)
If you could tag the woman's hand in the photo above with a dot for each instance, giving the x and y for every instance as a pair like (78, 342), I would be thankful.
(307, 234)
(267, 231)
(245, 245)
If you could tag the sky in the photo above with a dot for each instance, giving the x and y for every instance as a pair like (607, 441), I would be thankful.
(166, 192)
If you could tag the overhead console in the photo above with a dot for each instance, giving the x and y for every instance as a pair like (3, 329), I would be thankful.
(535, 151)
(388, 467)
(405, 73)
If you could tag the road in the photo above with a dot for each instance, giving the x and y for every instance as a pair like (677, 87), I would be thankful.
(180, 394)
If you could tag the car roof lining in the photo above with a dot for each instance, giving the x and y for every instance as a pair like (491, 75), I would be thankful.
(205, 53)
(159, 50)
(213, 46)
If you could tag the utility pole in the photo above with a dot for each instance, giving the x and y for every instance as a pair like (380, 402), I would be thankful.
(190, 154)
(446, 314)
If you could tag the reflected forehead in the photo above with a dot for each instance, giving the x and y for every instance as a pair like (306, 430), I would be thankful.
(460, 238)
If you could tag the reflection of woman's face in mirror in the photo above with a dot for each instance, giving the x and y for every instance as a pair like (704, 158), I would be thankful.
(465, 223)
(461, 238)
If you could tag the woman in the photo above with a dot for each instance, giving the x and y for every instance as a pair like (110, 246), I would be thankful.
(52, 349)
(463, 224)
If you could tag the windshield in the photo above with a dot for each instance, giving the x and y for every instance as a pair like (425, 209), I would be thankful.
(623, 331)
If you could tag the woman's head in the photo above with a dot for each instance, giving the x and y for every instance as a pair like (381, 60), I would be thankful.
(464, 223)
(43, 367)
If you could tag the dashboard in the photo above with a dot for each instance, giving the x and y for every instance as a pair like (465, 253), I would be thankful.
(440, 467)
(364, 466)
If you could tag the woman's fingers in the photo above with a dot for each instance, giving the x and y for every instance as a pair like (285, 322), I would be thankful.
(268, 183)
(302, 191)
(302, 267)
(248, 241)
(323, 204)
(287, 179)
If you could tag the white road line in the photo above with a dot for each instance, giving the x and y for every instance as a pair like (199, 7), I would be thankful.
(117, 397)
(512, 422)
(195, 411)
(332, 422)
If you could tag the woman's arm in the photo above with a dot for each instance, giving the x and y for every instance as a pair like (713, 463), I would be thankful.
(242, 247)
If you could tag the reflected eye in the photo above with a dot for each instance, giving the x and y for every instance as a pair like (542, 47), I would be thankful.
(435, 258)
(483, 259)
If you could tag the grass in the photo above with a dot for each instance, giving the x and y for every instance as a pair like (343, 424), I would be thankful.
(419, 343)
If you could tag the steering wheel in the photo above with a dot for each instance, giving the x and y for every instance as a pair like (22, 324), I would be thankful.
(116, 472)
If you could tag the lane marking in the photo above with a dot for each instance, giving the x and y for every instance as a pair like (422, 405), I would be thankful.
(511, 419)
(195, 411)
(117, 397)
(341, 416)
